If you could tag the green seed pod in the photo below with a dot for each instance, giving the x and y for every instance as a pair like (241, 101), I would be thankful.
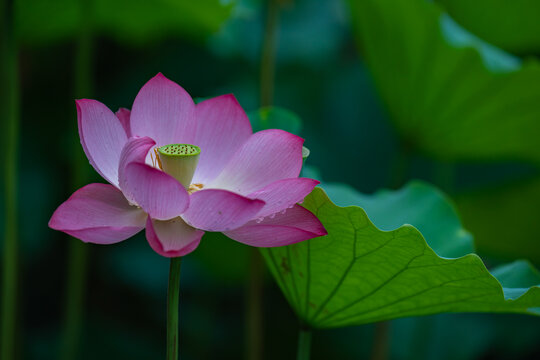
(179, 161)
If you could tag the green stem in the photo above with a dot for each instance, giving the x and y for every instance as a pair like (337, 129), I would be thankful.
(10, 116)
(83, 55)
(254, 307)
(76, 284)
(304, 344)
(381, 341)
(78, 252)
(254, 294)
(173, 296)
(268, 58)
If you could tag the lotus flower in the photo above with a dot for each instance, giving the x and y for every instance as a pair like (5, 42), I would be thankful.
(180, 169)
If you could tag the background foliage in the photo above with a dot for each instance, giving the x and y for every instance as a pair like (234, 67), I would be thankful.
(403, 89)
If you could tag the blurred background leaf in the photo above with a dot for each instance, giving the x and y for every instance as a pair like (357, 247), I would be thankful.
(275, 118)
(455, 98)
(516, 205)
(449, 96)
(418, 204)
(134, 22)
(511, 25)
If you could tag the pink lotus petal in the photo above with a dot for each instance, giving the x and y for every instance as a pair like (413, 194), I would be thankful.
(283, 194)
(124, 115)
(165, 112)
(220, 210)
(135, 150)
(222, 128)
(267, 156)
(295, 225)
(102, 137)
(172, 238)
(98, 213)
(156, 192)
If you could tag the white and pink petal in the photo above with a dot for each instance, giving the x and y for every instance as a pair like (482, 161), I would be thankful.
(164, 111)
(156, 192)
(124, 115)
(172, 238)
(222, 128)
(98, 213)
(135, 151)
(292, 226)
(220, 210)
(102, 137)
(283, 194)
(267, 156)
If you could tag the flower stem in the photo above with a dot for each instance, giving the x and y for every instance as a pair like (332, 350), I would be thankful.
(268, 56)
(304, 344)
(173, 296)
(254, 292)
(254, 311)
(381, 341)
(10, 115)
(76, 284)
(78, 252)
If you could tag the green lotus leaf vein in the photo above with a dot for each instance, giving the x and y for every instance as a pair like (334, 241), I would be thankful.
(359, 274)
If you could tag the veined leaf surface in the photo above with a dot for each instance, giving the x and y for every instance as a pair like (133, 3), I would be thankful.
(359, 274)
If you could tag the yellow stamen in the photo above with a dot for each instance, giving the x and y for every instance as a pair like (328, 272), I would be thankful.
(158, 160)
(195, 187)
